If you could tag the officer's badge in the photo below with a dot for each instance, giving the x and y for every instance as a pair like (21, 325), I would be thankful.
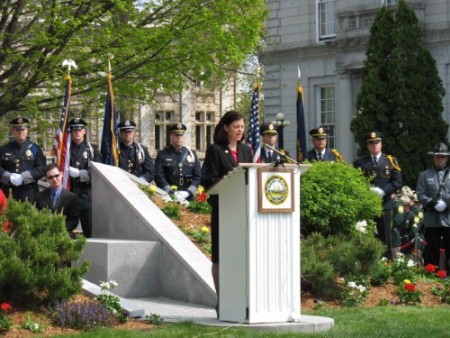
(373, 135)
(179, 126)
(77, 120)
(28, 153)
(190, 159)
(85, 155)
(320, 130)
(127, 123)
(271, 127)
(20, 120)
(77, 164)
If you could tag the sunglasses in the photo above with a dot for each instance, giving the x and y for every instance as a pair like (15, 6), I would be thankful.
(54, 176)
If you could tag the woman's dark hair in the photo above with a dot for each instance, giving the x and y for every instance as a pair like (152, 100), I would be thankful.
(220, 135)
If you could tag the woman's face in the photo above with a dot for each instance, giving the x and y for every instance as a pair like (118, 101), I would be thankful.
(235, 130)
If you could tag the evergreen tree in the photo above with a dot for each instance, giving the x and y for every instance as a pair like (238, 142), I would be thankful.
(402, 93)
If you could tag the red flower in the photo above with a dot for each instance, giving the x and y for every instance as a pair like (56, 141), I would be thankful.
(410, 287)
(441, 274)
(430, 268)
(6, 227)
(203, 197)
(5, 306)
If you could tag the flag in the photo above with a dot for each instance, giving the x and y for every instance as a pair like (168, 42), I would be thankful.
(110, 144)
(254, 138)
(61, 146)
(301, 132)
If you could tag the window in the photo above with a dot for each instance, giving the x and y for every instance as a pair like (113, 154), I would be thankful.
(326, 113)
(326, 19)
(204, 129)
(163, 120)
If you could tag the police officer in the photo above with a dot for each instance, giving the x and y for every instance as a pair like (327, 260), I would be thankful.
(387, 179)
(82, 153)
(320, 152)
(433, 191)
(269, 136)
(134, 157)
(22, 163)
(178, 166)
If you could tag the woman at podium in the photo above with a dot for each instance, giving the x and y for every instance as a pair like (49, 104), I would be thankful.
(222, 157)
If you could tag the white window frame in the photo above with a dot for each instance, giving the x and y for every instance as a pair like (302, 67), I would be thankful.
(203, 125)
(326, 19)
(326, 111)
(165, 120)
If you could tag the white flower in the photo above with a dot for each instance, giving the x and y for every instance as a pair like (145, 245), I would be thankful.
(384, 259)
(113, 283)
(400, 209)
(361, 226)
(410, 263)
(400, 257)
(351, 285)
(104, 285)
(420, 214)
(361, 288)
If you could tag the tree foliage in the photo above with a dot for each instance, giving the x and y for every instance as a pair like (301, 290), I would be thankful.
(402, 93)
(151, 45)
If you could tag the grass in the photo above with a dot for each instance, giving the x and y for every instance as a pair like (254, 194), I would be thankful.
(379, 322)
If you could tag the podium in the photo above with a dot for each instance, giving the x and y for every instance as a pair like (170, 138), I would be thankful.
(259, 243)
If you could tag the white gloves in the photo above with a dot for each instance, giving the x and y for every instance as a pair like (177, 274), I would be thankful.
(166, 198)
(440, 206)
(16, 179)
(378, 191)
(74, 172)
(182, 194)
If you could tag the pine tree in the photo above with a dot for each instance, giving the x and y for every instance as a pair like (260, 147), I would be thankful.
(402, 93)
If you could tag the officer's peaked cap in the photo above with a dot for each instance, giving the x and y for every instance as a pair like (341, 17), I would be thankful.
(19, 122)
(77, 124)
(268, 128)
(126, 125)
(374, 136)
(178, 128)
(320, 132)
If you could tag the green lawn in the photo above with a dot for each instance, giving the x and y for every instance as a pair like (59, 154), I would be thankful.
(379, 322)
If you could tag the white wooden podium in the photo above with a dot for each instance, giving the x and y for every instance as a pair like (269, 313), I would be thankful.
(259, 243)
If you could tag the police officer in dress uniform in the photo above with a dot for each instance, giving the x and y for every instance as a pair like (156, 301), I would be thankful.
(269, 136)
(433, 191)
(82, 153)
(22, 163)
(178, 166)
(134, 157)
(387, 179)
(320, 152)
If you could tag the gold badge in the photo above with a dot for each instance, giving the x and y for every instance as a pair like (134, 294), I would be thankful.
(28, 153)
(179, 126)
(320, 131)
(20, 120)
(373, 135)
(271, 127)
(276, 189)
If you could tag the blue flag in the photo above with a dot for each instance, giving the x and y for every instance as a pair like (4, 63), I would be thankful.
(301, 131)
(110, 135)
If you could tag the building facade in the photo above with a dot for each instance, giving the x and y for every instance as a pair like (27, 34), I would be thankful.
(327, 39)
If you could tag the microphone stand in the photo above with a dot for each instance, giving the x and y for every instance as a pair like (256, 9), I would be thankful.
(283, 157)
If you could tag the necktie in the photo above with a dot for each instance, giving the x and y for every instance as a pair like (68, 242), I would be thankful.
(269, 156)
(374, 160)
(320, 156)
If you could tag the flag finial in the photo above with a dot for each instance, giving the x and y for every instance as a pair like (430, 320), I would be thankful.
(299, 73)
(69, 64)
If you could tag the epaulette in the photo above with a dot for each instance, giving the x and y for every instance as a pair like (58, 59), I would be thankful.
(338, 155)
(393, 162)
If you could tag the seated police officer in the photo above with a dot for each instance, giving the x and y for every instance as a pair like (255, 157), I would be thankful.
(22, 163)
(177, 166)
(134, 157)
(82, 153)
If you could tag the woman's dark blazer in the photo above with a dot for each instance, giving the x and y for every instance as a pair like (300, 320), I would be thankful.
(219, 162)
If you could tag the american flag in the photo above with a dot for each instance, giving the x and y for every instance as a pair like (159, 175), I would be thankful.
(254, 138)
(61, 146)
(110, 143)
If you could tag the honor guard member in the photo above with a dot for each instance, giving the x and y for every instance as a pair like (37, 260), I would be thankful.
(178, 166)
(386, 180)
(82, 153)
(269, 136)
(320, 152)
(134, 157)
(22, 163)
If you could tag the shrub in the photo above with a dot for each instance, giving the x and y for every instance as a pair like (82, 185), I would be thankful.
(334, 197)
(35, 256)
(323, 259)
